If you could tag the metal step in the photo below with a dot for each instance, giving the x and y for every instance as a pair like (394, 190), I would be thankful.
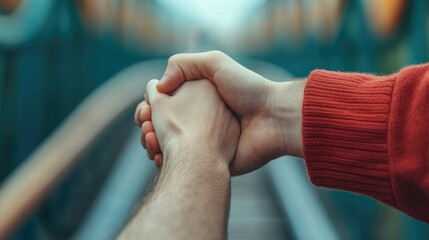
(255, 212)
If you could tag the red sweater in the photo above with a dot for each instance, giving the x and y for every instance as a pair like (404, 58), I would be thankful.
(370, 135)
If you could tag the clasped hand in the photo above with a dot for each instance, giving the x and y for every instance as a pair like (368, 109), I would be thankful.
(195, 116)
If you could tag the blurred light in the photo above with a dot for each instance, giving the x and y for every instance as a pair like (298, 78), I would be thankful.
(220, 15)
(24, 22)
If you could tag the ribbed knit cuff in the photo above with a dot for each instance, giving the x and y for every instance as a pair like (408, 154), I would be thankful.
(345, 120)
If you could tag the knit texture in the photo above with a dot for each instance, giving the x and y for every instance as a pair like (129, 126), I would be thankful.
(369, 134)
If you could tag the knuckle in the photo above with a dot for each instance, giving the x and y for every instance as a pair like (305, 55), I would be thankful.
(216, 55)
(174, 59)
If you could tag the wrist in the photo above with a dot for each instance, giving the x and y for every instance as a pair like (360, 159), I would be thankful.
(287, 111)
(194, 158)
(195, 171)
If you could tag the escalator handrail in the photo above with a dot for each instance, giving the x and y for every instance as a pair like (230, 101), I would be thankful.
(38, 174)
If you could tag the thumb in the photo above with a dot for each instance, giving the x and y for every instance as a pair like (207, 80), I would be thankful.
(190, 66)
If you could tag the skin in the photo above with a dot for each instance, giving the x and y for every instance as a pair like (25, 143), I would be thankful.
(198, 141)
(269, 112)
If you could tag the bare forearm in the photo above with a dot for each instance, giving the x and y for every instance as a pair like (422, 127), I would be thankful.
(190, 201)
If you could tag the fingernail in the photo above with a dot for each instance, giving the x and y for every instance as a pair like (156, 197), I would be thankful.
(139, 121)
(141, 114)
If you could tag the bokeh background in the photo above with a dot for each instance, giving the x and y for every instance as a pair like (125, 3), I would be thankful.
(53, 54)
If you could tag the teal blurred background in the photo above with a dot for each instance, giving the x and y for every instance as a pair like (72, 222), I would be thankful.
(55, 53)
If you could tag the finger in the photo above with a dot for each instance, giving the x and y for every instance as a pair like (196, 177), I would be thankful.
(152, 143)
(145, 113)
(137, 114)
(151, 90)
(186, 67)
(147, 127)
(159, 159)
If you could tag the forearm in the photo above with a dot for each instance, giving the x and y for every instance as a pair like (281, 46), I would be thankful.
(190, 200)
(367, 134)
(338, 122)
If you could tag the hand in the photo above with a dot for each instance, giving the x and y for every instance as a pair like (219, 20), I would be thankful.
(198, 136)
(195, 119)
(257, 102)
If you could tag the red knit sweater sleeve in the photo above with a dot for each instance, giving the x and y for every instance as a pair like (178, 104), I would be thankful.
(370, 135)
